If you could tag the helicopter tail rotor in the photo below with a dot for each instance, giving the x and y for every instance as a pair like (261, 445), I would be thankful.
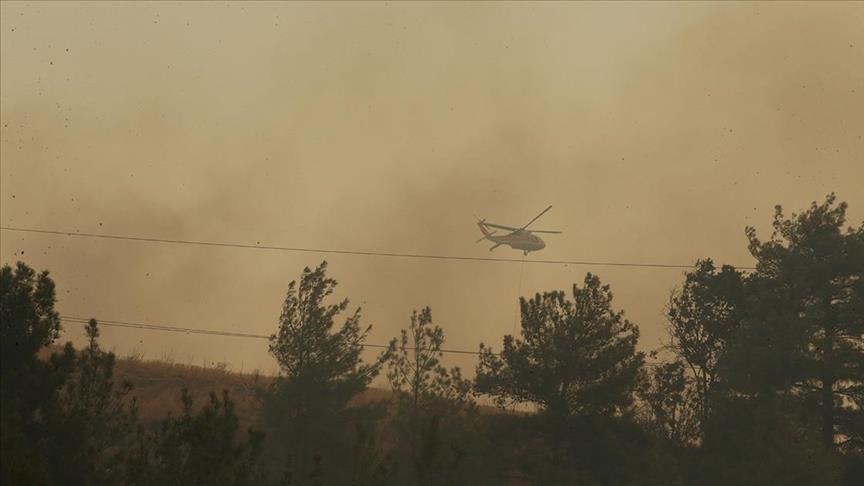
(486, 236)
(481, 223)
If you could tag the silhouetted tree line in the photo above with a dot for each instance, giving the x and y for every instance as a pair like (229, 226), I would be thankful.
(761, 382)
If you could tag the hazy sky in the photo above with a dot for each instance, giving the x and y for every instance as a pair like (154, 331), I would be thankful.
(656, 131)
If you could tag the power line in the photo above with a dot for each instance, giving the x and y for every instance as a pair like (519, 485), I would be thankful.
(214, 332)
(342, 252)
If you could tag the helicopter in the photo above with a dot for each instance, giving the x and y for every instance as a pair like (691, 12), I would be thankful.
(518, 238)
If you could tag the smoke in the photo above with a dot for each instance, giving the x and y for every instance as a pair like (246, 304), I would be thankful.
(656, 132)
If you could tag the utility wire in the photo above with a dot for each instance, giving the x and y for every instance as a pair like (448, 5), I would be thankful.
(343, 252)
(214, 332)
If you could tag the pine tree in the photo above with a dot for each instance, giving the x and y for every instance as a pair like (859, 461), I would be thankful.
(702, 316)
(809, 319)
(671, 404)
(574, 357)
(92, 423)
(28, 385)
(429, 400)
(305, 412)
(197, 447)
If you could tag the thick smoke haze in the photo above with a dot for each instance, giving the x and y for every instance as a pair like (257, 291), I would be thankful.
(656, 131)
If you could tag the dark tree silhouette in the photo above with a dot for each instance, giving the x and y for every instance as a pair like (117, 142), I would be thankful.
(197, 448)
(577, 361)
(777, 355)
(811, 276)
(702, 316)
(306, 344)
(93, 421)
(28, 385)
(29, 321)
(429, 400)
(670, 403)
(305, 412)
(763, 440)
(574, 357)
(414, 370)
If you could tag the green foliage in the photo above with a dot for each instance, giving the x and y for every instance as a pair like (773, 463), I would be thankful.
(414, 370)
(305, 411)
(670, 403)
(810, 316)
(607, 450)
(197, 448)
(28, 385)
(29, 321)
(574, 357)
(371, 465)
(583, 450)
(778, 355)
(763, 440)
(91, 422)
(702, 317)
(306, 343)
(65, 421)
(429, 400)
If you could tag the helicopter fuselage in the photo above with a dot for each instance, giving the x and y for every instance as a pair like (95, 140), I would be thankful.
(518, 240)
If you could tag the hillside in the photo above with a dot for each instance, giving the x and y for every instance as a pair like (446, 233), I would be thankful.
(158, 384)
